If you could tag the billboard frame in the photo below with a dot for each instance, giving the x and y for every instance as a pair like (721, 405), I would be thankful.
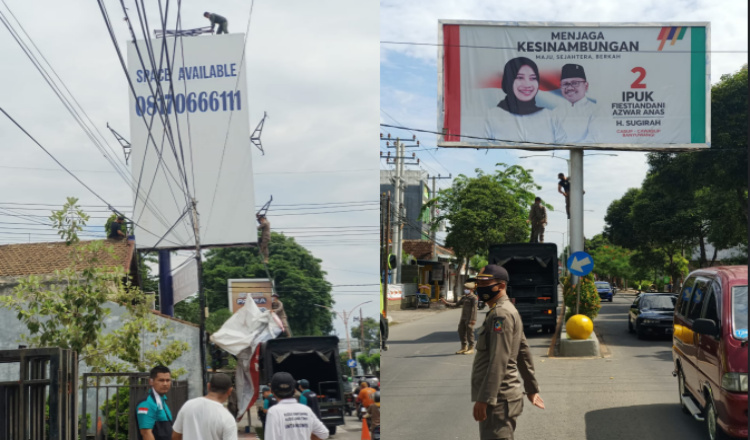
(535, 146)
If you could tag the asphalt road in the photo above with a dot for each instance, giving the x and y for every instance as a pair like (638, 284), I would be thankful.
(630, 394)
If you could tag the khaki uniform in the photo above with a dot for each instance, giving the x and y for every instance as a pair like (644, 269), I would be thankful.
(278, 308)
(468, 304)
(537, 218)
(503, 358)
(265, 238)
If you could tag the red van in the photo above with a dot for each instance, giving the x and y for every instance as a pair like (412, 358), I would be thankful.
(710, 349)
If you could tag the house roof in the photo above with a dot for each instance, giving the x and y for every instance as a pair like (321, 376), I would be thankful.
(422, 250)
(45, 258)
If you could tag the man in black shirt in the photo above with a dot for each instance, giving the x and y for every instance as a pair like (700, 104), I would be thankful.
(115, 229)
(563, 187)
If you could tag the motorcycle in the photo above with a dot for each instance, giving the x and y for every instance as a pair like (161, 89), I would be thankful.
(361, 412)
(376, 433)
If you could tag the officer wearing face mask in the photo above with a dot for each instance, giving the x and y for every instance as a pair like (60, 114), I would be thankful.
(503, 358)
(468, 303)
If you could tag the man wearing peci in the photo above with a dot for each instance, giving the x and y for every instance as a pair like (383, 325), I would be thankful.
(576, 115)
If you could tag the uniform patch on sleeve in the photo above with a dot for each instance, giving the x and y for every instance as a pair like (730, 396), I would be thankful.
(497, 324)
(142, 410)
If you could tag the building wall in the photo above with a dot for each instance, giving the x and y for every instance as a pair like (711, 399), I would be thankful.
(416, 183)
(13, 329)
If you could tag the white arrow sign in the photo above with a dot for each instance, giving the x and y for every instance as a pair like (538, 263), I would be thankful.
(578, 264)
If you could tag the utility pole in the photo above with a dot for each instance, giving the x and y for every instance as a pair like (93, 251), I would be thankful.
(361, 331)
(344, 316)
(433, 210)
(201, 296)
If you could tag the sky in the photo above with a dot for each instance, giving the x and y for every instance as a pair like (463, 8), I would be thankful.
(408, 92)
(313, 67)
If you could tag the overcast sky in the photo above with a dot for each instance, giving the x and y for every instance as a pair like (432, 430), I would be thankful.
(313, 66)
(408, 93)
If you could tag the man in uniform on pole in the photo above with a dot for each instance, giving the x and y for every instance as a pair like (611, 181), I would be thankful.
(502, 354)
(278, 308)
(563, 187)
(538, 220)
(264, 227)
(468, 303)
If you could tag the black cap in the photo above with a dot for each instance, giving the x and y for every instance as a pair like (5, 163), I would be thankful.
(282, 384)
(572, 71)
(493, 272)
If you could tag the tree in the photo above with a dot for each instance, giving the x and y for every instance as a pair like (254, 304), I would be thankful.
(70, 312)
(297, 275)
(485, 210)
(372, 333)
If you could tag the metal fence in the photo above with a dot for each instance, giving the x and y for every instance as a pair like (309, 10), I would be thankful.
(109, 404)
(39, 402)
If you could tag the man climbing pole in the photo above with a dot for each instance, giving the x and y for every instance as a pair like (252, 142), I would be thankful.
(265, 236)
(278, 308)
(217, 19)
(115, 229)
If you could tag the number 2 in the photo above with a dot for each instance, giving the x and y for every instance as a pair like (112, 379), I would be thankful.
(637, 84)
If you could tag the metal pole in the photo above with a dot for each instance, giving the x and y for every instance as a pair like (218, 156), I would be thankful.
(576, 202)
(166, 294)
(348, 341)
(433, 233)
(361, 331)
(387, 249)
(396, 193)
(400, 213)
(201, 298)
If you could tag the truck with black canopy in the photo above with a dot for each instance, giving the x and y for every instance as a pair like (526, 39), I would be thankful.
(533, 272)
(315, 358)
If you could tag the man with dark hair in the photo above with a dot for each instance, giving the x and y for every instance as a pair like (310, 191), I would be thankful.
(217, 19)
(205, 418)
(264, 226)
(308, 396)
(115, 229)
(538, 220)
(153, 414)
(502, 353)
(289, 419)
(563, 187)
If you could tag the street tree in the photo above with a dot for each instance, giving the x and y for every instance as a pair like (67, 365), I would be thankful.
(485, 210)
(297, 275)
(372, 333)
(70, 310)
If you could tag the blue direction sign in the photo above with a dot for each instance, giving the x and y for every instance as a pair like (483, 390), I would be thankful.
(580, 264)
(351, 363)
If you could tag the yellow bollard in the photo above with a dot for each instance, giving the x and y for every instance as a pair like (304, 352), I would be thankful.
(579, 327)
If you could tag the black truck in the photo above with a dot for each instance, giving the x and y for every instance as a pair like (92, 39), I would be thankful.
(315, 358)
(532, 268)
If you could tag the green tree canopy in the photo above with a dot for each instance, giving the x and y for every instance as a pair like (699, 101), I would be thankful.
(372, 333)
(298, 279)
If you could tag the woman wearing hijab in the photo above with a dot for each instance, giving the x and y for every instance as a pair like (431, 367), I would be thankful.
(517, 117)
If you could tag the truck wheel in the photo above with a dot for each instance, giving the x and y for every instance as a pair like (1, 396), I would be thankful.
(331, 429)
(714, 430)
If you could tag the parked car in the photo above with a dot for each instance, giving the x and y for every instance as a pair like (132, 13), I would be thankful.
(710, 349)
(651, 314)
(605, 290)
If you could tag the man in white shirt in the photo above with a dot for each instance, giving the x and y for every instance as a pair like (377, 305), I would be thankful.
(205, 418)
(289, 419)
(575, 117)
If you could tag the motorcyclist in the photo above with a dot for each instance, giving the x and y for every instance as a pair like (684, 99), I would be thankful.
(365, 398)
(373, 414)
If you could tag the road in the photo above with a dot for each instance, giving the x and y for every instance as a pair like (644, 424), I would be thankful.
(630, 394)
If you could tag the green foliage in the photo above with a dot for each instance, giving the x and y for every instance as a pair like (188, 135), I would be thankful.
(297, 275)
(116, 412)
(485, 210)
(478, 261)
(589, 304)
(70, 310)
(372, 333)
(370, 363)
(610, 261)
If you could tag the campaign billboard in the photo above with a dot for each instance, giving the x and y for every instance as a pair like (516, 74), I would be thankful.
(190, 134)
(621, 86)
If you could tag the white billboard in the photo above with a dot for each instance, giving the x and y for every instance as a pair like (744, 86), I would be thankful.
(642, 86)
(196, 137)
